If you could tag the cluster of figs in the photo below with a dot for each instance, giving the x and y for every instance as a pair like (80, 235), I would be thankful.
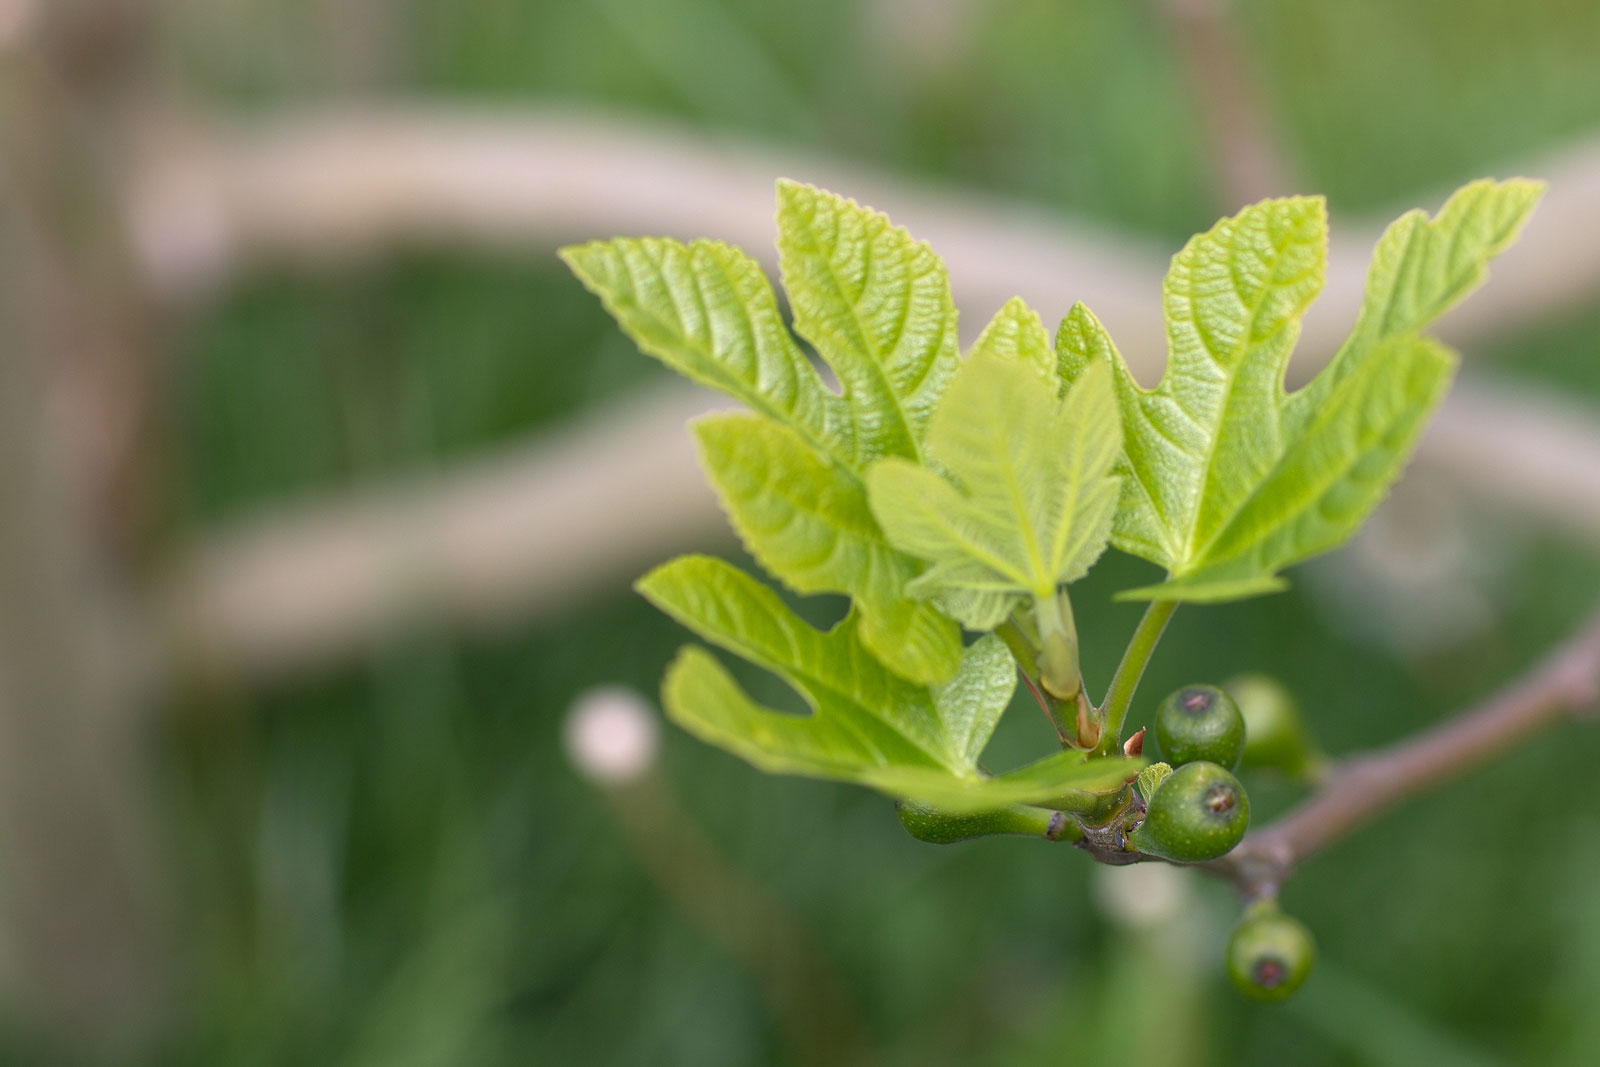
(1200, 811)
(1189, 808)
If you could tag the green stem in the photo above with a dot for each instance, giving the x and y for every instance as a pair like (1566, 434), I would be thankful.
(1129, 671)
(945, 828)
(1020, 645)
(1027, 662)
(1059, 673)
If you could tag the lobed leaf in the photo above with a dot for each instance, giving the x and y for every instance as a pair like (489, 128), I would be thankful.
(877, 306)
(808, 522)
(867, 725)
(1227, 478)
(706, 310)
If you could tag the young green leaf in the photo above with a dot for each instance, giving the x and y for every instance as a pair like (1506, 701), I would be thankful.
(876, 305)
(1228, 479)
(867, 725)
(707, 311)
(1029, 499)
(1151, 777)
(807, 521)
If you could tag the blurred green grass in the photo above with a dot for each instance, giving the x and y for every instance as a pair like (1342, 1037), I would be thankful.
(392, 864)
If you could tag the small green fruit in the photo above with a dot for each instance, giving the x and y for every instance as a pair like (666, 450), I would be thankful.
(1199, 813)
(1270, 954)
(1200, 722)
(1276, 737)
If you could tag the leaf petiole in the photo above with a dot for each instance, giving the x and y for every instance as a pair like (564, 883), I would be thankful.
(1126, 681)
(1022, 650)
(1059, 672)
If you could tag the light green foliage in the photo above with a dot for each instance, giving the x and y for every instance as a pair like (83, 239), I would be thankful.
(876, 305)
(867, 724)
(932, 491)
(1228, 478)
(1028, 493)
(808, 522)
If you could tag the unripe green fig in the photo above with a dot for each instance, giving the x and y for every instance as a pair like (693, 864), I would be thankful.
(1198, 813)
(1200, 722)
(945, 828)
(1270, 953)
(1276, 737)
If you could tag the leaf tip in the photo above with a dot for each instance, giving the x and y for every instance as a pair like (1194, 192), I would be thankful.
(800, 203)
(1522, 196)
(711, 427)
(1080, 315)
(797, 196)
(1016, 308)
(654, 583)
(1525, 186)
(790, 187)
(648, 584)
(576, 257)
(1082, 340)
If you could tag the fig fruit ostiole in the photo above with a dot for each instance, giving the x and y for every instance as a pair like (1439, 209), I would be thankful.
(1198, 813)
(1269, 953)
(1200, 722)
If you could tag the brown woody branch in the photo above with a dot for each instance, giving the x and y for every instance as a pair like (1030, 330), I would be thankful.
(1361, 788)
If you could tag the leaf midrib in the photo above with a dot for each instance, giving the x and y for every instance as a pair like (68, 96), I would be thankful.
(1249, 344)
(873, 359)
(1039, 583)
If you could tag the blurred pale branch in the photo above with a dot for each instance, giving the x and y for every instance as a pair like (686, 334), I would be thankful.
(498, 538)
(216, 198)
(212, 198)
(523, 533)
(519, 533)
(1529, 450)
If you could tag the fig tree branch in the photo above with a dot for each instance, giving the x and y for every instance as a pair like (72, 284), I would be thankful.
(1365, 786)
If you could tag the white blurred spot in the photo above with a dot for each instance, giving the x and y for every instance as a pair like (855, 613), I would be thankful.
(612, 735)
(1143, 894)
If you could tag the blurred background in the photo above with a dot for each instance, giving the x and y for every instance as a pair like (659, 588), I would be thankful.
(322, 485)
